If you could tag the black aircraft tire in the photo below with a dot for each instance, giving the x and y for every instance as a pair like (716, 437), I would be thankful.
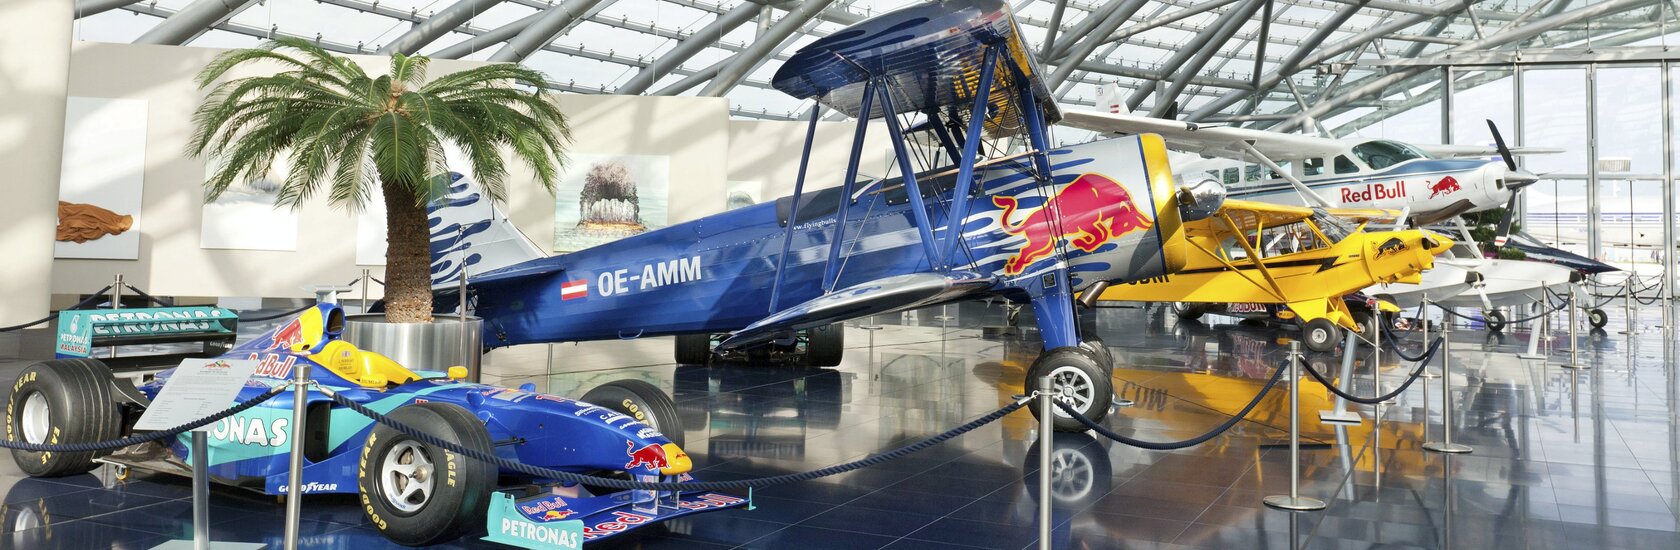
(1075, 367)
(459, 490)
(59, 402)
(1597, 318)
(825, 346)
(642, 401)
(1320, 335)
(694, 349)
(1100, 351)
(1494, 319)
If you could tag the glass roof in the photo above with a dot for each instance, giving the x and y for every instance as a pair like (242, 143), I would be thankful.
(1342, 52)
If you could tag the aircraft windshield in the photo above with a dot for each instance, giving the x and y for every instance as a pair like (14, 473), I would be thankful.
(1380, 154)
(1334, 228)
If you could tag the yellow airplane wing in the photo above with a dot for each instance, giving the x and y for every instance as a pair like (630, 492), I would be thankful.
(1251, 215)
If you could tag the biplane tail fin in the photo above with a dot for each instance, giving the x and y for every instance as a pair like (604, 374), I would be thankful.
(469, 231)
(885, 295)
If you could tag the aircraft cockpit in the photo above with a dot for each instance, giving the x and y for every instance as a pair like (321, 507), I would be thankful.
(1381, 153)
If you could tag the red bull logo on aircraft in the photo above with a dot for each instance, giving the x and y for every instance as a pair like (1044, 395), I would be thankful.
(1088, 212)
(1445, 186)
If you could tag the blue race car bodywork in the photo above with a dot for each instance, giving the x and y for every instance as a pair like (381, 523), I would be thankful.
(252, 449)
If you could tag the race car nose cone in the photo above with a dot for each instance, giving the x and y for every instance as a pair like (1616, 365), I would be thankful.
(676, 461)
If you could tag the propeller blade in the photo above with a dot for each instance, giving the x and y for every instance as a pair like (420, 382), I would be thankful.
(1505, 222)
(1499, 141)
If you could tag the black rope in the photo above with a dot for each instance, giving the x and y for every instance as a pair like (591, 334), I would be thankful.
(1427, 356)
(1174, 445)
(96, 296)
(148, 437)
(150, 298)
(277, 315)
(1393, 343)
(622, 484)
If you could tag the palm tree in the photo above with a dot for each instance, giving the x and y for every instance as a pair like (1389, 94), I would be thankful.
(349, 131)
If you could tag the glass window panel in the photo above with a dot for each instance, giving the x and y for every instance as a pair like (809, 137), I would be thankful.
(1556, 213)
(1479, 96)
(1629, 99)
(1554, 114)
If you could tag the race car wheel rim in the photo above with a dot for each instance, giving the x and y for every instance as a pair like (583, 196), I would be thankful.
(408, 475)
(1072, 475)
(1071, 382)
(37, 418)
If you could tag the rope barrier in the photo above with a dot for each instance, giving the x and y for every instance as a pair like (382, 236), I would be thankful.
(277, 315)
(1554, 309)
(623, 484)
(1169, 446)
(148, 437)
(150, 298)
(96, 296)
(1416, 372)
(1393, 343)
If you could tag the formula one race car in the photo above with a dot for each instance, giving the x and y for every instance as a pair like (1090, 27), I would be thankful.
(413, 492)
(1317, 335)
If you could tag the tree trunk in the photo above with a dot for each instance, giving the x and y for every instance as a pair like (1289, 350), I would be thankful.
(408, 257)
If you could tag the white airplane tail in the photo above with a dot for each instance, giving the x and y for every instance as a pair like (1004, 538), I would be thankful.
(1110, 100)
(467, 228)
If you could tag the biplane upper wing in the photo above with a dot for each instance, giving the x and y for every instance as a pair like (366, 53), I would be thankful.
(883, 295)
(1222, 141)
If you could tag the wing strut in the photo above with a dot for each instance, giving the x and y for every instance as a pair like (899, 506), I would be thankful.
(831, 272)
(918, 204)
(970, 151)
(793, 213)
(1306, 192)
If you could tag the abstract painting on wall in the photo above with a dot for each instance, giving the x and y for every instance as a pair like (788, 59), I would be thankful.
(245, 218)
(737, 194)
(102, 179)
(603, 198)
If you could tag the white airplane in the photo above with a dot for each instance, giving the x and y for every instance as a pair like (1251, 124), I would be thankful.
(1559, 221)
(1431, 182)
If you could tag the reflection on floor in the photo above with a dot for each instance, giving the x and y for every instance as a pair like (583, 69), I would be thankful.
(1563, 458)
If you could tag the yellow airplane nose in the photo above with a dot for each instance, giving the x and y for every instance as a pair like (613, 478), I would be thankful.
(676, 461)
(1435, 243)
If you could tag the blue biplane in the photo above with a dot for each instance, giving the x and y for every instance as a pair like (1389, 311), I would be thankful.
(964, 217)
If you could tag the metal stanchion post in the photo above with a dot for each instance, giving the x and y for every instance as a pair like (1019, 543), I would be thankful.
(367, 279)
(1046, 426)
(116, 303)
(1446, 446)
(294, 480)
(1294, 501)
(201, 490)
(1627, 303)
(1339, 413)
(1574, 338)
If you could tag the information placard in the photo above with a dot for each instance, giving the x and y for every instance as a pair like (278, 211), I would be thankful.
(197, 389)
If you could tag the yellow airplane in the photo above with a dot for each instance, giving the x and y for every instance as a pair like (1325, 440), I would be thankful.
(1304, 258)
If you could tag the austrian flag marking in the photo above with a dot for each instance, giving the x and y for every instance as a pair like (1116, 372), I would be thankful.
(573, 289)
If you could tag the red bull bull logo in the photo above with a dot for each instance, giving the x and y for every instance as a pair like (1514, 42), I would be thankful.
(1445, 186)
(553, 515)
(1088, 212)
(288, 336)
(651, 456)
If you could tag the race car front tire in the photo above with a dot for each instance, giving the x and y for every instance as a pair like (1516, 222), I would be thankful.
(1188, 311)
(417, 494)
(825, 346)
(60, 402)
(642, 401)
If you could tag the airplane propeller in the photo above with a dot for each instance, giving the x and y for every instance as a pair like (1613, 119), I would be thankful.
(1515, 178)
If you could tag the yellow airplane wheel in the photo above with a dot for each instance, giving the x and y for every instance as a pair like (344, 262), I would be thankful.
(1320, 335)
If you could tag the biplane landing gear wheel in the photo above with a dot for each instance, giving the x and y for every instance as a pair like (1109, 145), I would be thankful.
(1319, 335)
(417, 494)
(1494, 319)
(1075, 374)
(825, 346)
(1597, 318)
(1099, 351)
(694, 349)
(61, 401)
(642, 401)
(1188, 312)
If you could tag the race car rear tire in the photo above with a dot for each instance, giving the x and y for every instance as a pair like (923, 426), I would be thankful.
(1187, 311)
(1367, 321)
(1494, 319)
(694, 349)
(61, 401)
(1320, 335)
(642, 401)
(825, 346)
(1074, 367)
(1597, 318)
(451, 492)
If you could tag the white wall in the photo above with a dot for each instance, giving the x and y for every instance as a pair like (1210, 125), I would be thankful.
(706, 149)
(34, 56)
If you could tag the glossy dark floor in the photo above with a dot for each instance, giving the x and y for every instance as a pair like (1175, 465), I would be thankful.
(1562, 459)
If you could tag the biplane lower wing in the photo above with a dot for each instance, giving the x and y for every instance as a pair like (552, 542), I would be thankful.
(885, 295)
